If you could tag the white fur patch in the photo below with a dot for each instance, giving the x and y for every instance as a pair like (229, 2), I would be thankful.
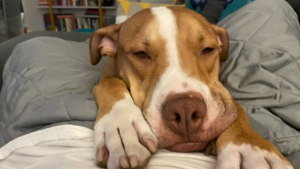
(172, 79)
(235, 156)
(116, 128)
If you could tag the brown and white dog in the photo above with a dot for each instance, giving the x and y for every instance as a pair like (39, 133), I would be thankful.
(160, 88)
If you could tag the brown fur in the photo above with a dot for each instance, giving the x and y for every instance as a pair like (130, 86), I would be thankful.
(116, 92)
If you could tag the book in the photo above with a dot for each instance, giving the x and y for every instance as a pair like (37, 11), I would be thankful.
(93, 2)
(92, 12)
(47, 22)
(85, 23)
(74, 24)
(77, 2)
(45, 2)
(89, 23)
(79, 23)
(65, 22)
(59, 2)
(62, 25)
(97, 24)
(68, 24)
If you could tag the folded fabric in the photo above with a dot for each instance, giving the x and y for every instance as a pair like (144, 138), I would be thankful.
(229, 7)
(70, 146)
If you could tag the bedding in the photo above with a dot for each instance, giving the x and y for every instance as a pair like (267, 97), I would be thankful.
(296, 6)
(262, 72)
(48, 84)
(70, 146)
(7, 47)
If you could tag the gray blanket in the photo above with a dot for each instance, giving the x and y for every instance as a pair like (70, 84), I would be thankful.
(263, 73)
(48, 81)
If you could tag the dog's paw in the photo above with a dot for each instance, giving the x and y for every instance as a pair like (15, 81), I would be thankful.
(245, 156)
(123, 138)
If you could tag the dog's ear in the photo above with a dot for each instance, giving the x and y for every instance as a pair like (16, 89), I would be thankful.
(223, 40)
(104, 43)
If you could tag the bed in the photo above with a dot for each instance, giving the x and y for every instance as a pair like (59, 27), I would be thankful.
(47, 110)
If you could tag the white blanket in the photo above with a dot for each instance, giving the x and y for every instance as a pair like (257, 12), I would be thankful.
(70, 146)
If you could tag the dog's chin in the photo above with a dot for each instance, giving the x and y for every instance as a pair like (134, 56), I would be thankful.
(187, 147)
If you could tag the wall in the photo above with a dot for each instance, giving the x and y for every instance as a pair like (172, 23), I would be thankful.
(33, 15)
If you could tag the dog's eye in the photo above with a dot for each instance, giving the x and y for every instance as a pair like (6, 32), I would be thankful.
(207, 50)
(142, 55)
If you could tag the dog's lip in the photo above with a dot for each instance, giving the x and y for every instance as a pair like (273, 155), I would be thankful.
(188, 147)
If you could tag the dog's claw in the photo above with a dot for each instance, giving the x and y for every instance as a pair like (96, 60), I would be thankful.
(152, 145)
(123, 162)
(133, 161)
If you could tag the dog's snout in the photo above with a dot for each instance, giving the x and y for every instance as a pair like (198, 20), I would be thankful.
(184, 113)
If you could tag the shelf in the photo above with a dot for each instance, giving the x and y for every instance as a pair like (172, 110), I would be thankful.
(87, 16)
(77, 7)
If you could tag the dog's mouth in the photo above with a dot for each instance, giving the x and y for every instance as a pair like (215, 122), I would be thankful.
(188, 147)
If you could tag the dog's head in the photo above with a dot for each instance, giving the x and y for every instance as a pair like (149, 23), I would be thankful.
(169, 59)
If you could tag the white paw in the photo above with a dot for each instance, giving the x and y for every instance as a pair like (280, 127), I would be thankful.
(123, 137)
(247, 157)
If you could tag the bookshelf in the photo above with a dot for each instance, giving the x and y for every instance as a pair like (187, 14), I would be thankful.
(76, 4)
(77, 7)
(35, 13)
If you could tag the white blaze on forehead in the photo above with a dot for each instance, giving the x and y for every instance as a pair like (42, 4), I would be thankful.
(172, 79)
(168, 29)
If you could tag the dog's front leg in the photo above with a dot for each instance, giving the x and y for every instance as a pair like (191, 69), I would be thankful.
(123, 138)
(240, 146)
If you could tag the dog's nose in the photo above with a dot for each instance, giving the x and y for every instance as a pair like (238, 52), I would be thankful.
(183, 113)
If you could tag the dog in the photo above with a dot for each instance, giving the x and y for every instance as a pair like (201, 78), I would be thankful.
(161, 89)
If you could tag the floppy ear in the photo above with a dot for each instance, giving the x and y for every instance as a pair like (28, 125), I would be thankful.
(104, 43)
(223, 40)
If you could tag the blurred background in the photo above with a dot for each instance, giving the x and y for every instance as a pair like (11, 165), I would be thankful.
(11, 16)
